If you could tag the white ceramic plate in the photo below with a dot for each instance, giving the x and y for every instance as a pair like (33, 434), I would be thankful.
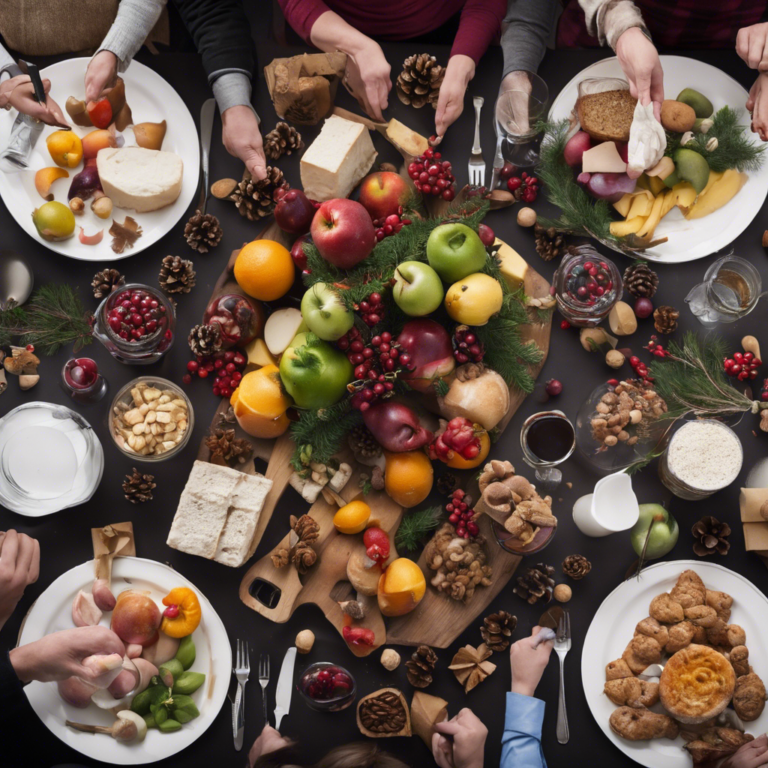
(689, 240)
(53, 612)
(151, 99)
(613, 627)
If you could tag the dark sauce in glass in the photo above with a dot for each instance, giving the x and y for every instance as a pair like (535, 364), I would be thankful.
(550, 438)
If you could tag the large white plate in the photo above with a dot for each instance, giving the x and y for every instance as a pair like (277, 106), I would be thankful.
(151, 99)
(689, 240)
(53, 612)
(613, 627)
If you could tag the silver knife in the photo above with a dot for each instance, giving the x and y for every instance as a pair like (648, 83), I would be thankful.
(498, 163)
(284, 687)
(206, 131)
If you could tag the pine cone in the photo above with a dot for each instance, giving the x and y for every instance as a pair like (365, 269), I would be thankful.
(303, 557)
(256, 199)
(281, 140)
(711, 537)
(420, 80)
(640, 280)
(177, 275)
(363, 444)
(303, 111)
(306, 528)
(497, 629)
(665, 319)
(202, 232)
(226, 449)
(537, 582)
(576, 567)
(447, 483)
(205, 339)
(105, 282)
(138, 488)
(420, 666)
(549, 242)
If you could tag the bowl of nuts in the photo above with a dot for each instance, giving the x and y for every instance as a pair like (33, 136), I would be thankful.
(151, 419)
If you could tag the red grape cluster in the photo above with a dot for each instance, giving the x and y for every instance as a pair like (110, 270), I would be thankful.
(225, 367)
(523, 187)
(371, 309)
(431, 176)
(390, 225)
(466, 347)
(742, 366)
(461, 515)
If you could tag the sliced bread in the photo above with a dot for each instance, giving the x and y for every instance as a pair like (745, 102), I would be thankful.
(607, 116)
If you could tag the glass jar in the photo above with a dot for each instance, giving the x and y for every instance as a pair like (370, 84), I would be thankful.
(81, 380)
(327, 687)
(587, 285)
(136, 323)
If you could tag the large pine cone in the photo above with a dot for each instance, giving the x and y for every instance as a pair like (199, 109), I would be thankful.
(105, 282)
(306, 528)
(203, 231)
(497, 629)
(640, 280)
(205, 339)
(536, 583)
(256, 199)
(576, 566)
(281, 140)
(665, 319)
(138, 487)
(177, 275)
(711, 536)
(549, 242)
(420, 666)
(420, 80)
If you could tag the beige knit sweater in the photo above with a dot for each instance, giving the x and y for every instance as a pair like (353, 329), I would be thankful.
(608, 19)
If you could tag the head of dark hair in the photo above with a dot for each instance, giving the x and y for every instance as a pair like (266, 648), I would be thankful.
(358, 755)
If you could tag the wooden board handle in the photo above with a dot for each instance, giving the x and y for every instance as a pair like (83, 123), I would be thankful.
(284, 579)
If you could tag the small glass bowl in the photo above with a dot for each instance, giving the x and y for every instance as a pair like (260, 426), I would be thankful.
(124, 396)
(336, 702)
(508, 543)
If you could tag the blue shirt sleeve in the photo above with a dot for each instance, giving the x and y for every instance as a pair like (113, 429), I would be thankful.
(521, 742)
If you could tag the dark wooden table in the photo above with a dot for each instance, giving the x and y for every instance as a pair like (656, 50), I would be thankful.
(65, 538)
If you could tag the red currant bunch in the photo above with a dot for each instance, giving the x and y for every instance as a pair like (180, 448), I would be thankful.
(524, 187)
(461, 514)
(371, 309)
(640, 368)
(742, 366)
(432, 176)
(656, 348)
(376, 366)
(390, 225)
(225, 367)
(466, 347)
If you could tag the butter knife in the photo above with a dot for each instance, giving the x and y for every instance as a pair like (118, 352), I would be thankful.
(206, 132)
(284, 687)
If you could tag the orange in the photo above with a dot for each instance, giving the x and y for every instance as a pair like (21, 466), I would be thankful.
(66, 148)
(260, 403)
(264, 269)
(401, 587)
(459, 462)
(408, 477)
(352, 517)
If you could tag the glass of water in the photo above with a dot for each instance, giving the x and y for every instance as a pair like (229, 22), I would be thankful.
(516, 116)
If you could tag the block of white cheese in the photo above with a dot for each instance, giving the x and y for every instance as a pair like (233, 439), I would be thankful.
(604, 158)
(140, 179)
(337, 160)
(512, 265)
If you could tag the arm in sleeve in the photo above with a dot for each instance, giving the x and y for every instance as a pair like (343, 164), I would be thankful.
(134, 21)
(607, 20)
(528, 26)
(11, 688)
(7, 61)
(521, 742)
(479, 25)
(302, 15)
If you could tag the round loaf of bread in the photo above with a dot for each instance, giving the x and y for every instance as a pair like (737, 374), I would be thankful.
(697, 683)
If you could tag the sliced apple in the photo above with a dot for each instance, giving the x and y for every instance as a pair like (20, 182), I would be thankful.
(258, 355)
(718, 194)
(281, 328)
(628, 227)
(45, 177)
(150, 135)
(663, 168)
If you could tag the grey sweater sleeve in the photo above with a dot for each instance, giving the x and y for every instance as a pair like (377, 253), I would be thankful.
(528, 26)
(134, 21)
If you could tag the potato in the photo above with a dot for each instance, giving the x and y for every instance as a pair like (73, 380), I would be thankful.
(676, 116)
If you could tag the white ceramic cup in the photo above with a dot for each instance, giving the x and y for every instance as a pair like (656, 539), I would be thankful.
(611, 508)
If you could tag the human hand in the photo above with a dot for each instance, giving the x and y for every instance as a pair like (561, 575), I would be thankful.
(20, 93)
(640, 62)
(752, 46)
(757, 106)
(528, 663)
(242, 138)
(450, 102)
(268, 741)
(751, 755)
(19, 566)
(512, 110)
(367, 78)
(101, 75)
(468, 734)
(60, 655)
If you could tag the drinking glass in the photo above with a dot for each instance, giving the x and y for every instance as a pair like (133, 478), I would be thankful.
(546, 472)
(517, 112)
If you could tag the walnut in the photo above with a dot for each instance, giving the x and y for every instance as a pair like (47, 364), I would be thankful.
(390, 659)
(280, 558)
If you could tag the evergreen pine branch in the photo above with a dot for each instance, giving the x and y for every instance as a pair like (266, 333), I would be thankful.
(441, 387)
(415, 526)
(321, 434)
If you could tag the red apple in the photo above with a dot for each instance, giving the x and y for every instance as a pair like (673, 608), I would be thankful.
(297, 253)
(428, 345)
(136, 618)
(396, 427)
(343, 232)
(382, 193)
(575, 147)
(294, 212)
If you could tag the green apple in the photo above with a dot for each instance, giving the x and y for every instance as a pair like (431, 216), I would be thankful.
(418, 289)
(314, 373)
(324, 312)
(663, 527)
(455, 251)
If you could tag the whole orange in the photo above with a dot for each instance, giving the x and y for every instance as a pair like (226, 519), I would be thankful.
(260, 404)
(264, 269)
(459, 462)
(408, 477)
(66, 148)
(401, 587)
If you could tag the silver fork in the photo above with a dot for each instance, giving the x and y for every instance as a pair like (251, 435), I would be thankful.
(242, 670)
(498, 162)
(264, 681)
(476, 162)
(562, 646)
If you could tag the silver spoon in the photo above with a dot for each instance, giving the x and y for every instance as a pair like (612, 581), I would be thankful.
(16, 279)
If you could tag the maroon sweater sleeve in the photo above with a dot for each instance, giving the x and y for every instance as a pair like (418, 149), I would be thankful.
(302, 15)
(480, 24)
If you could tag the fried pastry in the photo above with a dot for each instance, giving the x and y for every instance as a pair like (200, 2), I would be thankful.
(717, 634)
(652, 628)
(680, 636)
(739, 658)
(631, 692)
(641, 652)
(618, 669)
(697, 683)
(721, 602)
(749, 697)
(715, 744)
(689, 590)
(642, 724)
(699, 635)
(701, 615)
(665, 609)
(736, 635)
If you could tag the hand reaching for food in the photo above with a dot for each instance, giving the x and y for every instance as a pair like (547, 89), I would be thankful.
(450, 102)
(20, 93)
(640, 63)
(101, 75)
(367, 78)
(269, 740)
(19, 566)
(242, 138)
(757, 106)
(528, 658)
(466, 746)
(751, 755)
(752, 46)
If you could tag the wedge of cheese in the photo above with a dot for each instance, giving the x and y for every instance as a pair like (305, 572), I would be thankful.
(140, 179)
(603, 158)
(337, 160)
(513, 266)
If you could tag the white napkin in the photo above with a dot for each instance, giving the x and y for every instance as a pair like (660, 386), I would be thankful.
(647, 140)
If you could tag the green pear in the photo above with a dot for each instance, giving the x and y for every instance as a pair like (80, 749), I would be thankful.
(664, 531)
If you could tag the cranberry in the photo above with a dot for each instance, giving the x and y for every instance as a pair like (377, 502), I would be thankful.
(553, 387)
(513, 183)
(186, 378)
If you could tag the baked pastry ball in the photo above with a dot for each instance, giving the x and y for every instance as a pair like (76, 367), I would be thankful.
(697, 683)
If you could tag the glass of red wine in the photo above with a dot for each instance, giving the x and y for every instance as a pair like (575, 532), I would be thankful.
(81, 379)
(547, 439)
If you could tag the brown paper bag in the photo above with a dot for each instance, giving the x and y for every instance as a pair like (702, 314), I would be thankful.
(753, 503)
(302, 88)
(109, 542)
(427, 710)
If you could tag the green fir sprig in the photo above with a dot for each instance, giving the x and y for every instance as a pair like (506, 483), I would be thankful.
(318, 435)
(415, 526)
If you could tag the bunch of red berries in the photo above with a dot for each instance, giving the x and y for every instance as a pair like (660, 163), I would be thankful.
(431, 176)
(225, 367)
(466, 347)
(459, 436)
(742, 366)
(640, 368)
(523, 187)
(371, 309)
(656, 348)
(461, 514)
(390, 225)
(376, 366)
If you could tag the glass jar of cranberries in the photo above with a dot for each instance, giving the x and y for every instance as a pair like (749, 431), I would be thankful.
(136, 324)
(586, 286)
(81, 379)
(327, 687)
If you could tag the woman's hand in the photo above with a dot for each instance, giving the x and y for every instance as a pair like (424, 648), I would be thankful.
(528, 663)
(367, 78)
(468, 734)
(640, 62)
(19, 566)
(268, 741)
(751, 755)
(101, 75)
(757, 105)
(242, 138)
(752, 46)
(20, 93)
(450, 102)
